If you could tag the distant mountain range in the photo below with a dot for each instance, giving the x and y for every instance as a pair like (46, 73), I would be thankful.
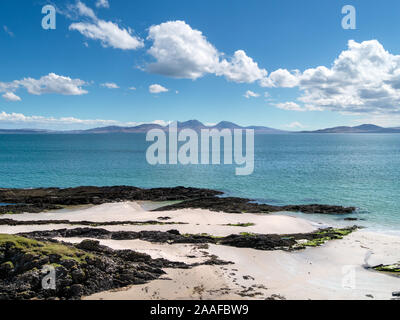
(197, 125)
(143, 128)
(364, 128)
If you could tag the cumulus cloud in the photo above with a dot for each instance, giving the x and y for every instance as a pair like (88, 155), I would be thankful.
(241, 69)
(365, 78)
(183, 52)
(107, 32)
(102, 4)
(11, 96)
(281, 78)
(52, 83)
(110, 85)
(156, 88)
(250, 94)
(292, 106)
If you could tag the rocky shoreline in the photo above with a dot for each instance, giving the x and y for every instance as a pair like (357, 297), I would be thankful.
(81, 269)
(39, 200)
(264, 242)
(87, 267)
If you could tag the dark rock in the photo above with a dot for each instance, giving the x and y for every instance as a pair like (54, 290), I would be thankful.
(77, 290)
(102, 269)
(6, 269)
(54, 258)
(175, 232)
(91, 245)
(78, 275)
(396, 294)
(240, 205)
(38, 200)
(243, 240)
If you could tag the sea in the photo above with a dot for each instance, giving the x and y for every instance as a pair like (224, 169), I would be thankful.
(361, 170)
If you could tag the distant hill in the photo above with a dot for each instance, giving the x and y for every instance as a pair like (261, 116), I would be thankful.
(197, 126)
(191, 124)
(365, 128)
(24, 131)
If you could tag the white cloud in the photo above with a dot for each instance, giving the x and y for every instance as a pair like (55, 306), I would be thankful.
(19, 118)
(102, 4)
(161, 122)
(250, 94)
(84, 10)
(183, 52)
(156, 88)
(241, 69)
(110, 85)
(24, 121)
(8, 86)
(10, 96)
(384, 120)
(52, 83)
(132, 88)
(365, 78)
(107, 32)
(8, 31)
(294, 125)
(281, 78)
(290, 106)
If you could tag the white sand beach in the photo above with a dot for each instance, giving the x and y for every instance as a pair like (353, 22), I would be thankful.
(334, 270)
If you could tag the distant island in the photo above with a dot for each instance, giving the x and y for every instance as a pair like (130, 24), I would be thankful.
(197, 125)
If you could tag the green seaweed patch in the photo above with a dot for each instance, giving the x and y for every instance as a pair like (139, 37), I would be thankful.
(8, 264)
(393, 268)
(316, 242)
(247, 234)
(42, 248)
(338, 232)
(320, 237)
(245, 225)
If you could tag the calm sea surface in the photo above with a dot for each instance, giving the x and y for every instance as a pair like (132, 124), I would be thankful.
(361, 170)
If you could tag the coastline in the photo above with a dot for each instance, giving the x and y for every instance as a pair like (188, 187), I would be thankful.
(313, 273)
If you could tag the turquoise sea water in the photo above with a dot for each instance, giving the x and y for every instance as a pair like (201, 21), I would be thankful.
(361, 170)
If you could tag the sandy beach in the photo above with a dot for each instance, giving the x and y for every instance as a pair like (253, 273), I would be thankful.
(335, 270)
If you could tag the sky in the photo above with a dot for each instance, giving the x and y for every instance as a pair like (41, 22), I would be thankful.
(285, 64)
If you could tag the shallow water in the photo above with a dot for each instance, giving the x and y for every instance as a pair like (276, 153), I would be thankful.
(361, 170)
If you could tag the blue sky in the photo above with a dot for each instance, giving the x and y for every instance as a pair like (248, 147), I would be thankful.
(208, 55)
